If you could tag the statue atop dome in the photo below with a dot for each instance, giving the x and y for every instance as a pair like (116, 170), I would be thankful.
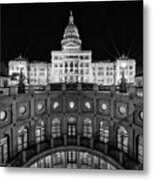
(71, 18)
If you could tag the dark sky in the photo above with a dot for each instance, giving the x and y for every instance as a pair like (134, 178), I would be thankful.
(109, 29)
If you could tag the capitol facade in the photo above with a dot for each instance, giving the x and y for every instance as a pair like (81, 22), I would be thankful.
(72, 64)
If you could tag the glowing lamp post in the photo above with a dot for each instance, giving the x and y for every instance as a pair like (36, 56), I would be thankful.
(123, 88)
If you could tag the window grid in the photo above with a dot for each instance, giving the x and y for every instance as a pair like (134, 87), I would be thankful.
(122, 139)
(87, 128)
(86, 158)
(71, 129)
(56, 132)
(22, 139)
(58, 158)
(71, 158)
(40, 132)
(4, 150)
(140, 149)
(104, 133)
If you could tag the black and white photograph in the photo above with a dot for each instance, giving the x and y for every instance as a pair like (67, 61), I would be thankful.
(71, 85)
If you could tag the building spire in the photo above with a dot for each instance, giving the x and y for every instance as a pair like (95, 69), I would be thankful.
(71, 18)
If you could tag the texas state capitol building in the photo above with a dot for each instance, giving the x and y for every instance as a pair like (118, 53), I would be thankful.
(72, 64)
(72, 125)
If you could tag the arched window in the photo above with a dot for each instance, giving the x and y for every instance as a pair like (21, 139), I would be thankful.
(40, 131)
(71, 126)
(140, 149)
(56, 132)
(87, 128)
(104, 132)
(4, 143)
(22, 138)
(122, 139)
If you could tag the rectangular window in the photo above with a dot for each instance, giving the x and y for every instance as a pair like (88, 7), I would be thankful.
(56, 128)
(131, 73)
(71, 129)
(86, 65)
(40, 134)
(81, 71)
(130, 67)
(4, 150)
(87, 128)
(55, 65)
(71, 157)
(56, 57)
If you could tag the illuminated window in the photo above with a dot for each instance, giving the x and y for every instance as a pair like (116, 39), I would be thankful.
(87, 105)
(122, 139)
(140, 149)
(22, 139)
(86, 158)
(55, 104)
(40, 132)
(103, 164)
(104, 106)
(141, 115)
(56, 128)
(71, 158)
(22, 109)
(71, 104)
(3, 115)
(104, 132)
(87, 128)
(71, 126)
(4, 149)
(58, 159)
(39, 106)
(122, 110)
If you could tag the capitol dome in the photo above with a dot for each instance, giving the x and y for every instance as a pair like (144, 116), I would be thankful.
(71, 30)
(71, 39)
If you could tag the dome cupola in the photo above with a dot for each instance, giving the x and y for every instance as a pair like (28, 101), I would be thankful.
(71, 39)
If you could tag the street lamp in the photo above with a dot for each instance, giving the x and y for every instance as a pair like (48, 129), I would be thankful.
(123, 87)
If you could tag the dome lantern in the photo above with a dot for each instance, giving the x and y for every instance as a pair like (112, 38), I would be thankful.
(71, 39)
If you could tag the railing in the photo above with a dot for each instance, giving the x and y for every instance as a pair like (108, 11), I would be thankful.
(138, 91)
(120, 157)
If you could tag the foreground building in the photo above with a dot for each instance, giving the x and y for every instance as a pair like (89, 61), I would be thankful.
(72, 128)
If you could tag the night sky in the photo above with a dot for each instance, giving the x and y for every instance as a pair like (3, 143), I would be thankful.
(108, 29)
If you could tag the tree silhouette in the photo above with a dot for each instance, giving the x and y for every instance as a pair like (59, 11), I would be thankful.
(21, 85)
